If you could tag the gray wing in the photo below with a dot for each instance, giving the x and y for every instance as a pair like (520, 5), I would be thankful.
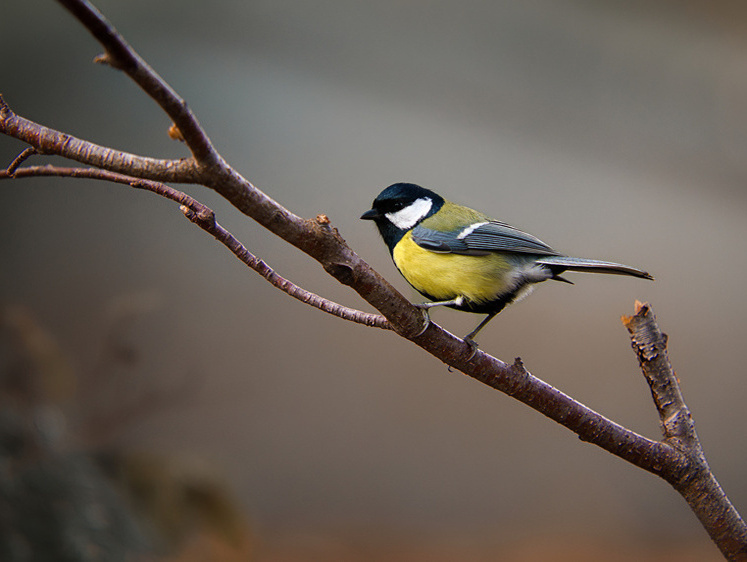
(481, 239)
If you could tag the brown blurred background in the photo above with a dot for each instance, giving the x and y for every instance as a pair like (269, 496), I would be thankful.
(612, 130)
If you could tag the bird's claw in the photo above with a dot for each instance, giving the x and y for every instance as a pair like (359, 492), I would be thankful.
(473, 345)
(426, 318)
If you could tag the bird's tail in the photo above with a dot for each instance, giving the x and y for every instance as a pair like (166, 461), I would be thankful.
(559, 264)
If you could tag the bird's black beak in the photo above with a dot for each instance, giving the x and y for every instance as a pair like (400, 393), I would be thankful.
(371, 215)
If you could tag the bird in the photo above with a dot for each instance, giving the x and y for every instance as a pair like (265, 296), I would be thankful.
(462, 259)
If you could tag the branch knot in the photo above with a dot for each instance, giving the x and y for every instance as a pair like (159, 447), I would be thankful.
(342, 272)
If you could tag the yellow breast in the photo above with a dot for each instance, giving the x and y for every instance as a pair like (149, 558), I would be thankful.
(446, 276)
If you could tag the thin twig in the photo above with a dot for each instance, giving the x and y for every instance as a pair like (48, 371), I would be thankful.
(204, 217)
(20, 159)
(122, 56)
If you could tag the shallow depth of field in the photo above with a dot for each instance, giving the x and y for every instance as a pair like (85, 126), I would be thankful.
(611, 130)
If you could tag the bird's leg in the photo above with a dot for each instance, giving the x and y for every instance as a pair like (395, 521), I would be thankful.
(470, 338)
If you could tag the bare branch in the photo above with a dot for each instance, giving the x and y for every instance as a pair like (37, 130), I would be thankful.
(20, 159)
(691, 476)
(204, 217)
(49, 141)
(589, 425)
(650, 345)
(120, 55)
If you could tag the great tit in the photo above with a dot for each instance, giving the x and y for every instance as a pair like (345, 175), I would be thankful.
(460, 258)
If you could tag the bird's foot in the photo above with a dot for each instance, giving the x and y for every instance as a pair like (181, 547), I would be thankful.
(473, 345)
(426, 318)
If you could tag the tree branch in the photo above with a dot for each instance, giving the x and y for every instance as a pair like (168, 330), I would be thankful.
(49, 141)
(121, 56)
(695, 480)
(20, 159)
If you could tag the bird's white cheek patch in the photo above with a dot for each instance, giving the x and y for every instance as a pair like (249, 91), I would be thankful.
(412, 214)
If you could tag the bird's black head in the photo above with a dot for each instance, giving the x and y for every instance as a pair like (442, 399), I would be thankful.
(399, 208)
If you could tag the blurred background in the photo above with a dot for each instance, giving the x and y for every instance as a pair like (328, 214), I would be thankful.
(611, 130)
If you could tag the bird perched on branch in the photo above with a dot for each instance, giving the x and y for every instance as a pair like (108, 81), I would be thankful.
(461, 258)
